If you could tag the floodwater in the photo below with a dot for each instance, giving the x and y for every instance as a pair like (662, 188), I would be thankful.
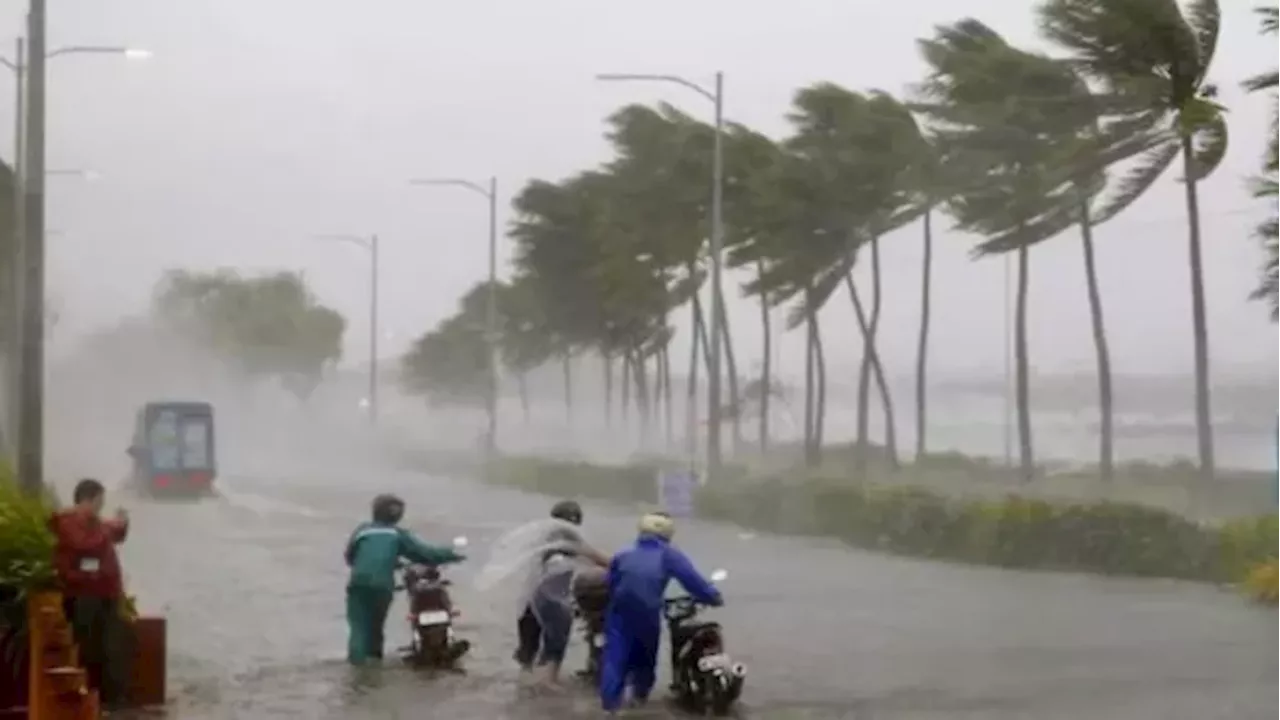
(252, 586)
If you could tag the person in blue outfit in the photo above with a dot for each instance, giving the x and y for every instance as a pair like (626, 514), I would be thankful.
(372, 553)
(638, 580)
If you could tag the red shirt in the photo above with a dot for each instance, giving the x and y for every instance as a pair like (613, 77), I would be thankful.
(85, 554)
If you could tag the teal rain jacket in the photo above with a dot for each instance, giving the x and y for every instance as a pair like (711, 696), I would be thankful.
(375, 548)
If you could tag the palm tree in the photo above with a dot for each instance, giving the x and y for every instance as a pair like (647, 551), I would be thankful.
(750, 157)
(1265, 186)
(850, 157)
(1151, 60)
(1005, 119)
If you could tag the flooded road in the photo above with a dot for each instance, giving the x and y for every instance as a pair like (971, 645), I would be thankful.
(252, 585)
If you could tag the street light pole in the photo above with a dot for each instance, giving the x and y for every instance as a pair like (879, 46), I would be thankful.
(717, 298)
(31, 387)
(716, 96)
(370, 244)
(491, 308)
(373, 329)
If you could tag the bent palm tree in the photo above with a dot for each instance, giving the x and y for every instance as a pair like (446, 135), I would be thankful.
(1265, 186)
(1152, 61)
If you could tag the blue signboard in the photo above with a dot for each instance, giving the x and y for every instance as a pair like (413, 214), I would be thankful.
(675, 491)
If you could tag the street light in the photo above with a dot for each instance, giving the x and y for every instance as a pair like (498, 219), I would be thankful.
(85, 175)
(716, 96)
(491, 311)
(28, 64)
(370, 244)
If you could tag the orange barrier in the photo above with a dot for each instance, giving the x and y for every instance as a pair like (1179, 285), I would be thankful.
(147, 685)
(57, 686)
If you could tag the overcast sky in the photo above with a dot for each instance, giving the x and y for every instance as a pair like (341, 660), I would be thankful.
(260, 123)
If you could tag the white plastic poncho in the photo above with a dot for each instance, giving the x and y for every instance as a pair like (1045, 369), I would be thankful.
(543, 555)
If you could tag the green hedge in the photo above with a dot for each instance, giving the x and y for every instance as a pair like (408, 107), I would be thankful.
(1101, 537)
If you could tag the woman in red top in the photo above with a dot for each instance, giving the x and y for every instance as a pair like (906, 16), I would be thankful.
(89, 571)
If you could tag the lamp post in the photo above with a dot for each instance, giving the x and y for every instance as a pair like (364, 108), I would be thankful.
(716, 96)
(370, 244)
(30, 220)
(490, 193)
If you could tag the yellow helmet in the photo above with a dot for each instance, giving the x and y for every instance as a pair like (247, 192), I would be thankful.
(658, 523)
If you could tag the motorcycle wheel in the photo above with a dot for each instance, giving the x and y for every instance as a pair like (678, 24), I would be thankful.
(433, 646)
(720, 697)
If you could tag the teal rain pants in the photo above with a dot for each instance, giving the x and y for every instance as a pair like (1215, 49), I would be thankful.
(366, 616)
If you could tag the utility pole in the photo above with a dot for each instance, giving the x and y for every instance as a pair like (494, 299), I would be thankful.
(31, 390)
(13, 313)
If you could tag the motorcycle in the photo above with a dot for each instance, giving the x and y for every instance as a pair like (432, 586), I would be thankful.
(591, 597)
(431, 614)
(704, 678)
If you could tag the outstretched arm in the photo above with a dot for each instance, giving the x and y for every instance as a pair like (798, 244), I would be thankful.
(117, 529)
(595, 556)
(682, 570)
(419, 551)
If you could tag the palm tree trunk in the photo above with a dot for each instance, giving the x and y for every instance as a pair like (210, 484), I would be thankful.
(731, 365)
(1022, 370)
(625, 389)
(766, 366)
(808, 388)
(1106, 440)
(606, 363)
(567, 366)
(872, 368)
(922, 346)
(877, 367)
(665, 368)
(700, 327)
(522, 382)
(691, 390)
(640, 366)
(820, 412)
(1199, 323)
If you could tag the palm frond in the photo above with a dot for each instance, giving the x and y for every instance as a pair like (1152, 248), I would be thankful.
(1148, 168)
(1205, 19)
(1262, 81)
(1267, 19)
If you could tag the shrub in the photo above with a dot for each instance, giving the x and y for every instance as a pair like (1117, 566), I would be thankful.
(1245, 544)
(26, 543)
(26, 559)
(1102, 537)
(1260, 583)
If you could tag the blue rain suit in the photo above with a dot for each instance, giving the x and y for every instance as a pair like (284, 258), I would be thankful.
(638, 580)
(372, 554)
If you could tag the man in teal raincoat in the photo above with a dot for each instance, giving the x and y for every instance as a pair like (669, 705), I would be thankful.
(372, 553)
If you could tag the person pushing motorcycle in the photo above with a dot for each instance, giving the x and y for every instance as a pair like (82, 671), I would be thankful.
(638, 578)
(372, 553)
(547, 618)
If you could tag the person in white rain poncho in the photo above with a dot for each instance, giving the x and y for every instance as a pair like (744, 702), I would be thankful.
(546, 618)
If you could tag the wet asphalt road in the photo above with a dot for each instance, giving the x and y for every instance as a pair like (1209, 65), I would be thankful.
(252, 585)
